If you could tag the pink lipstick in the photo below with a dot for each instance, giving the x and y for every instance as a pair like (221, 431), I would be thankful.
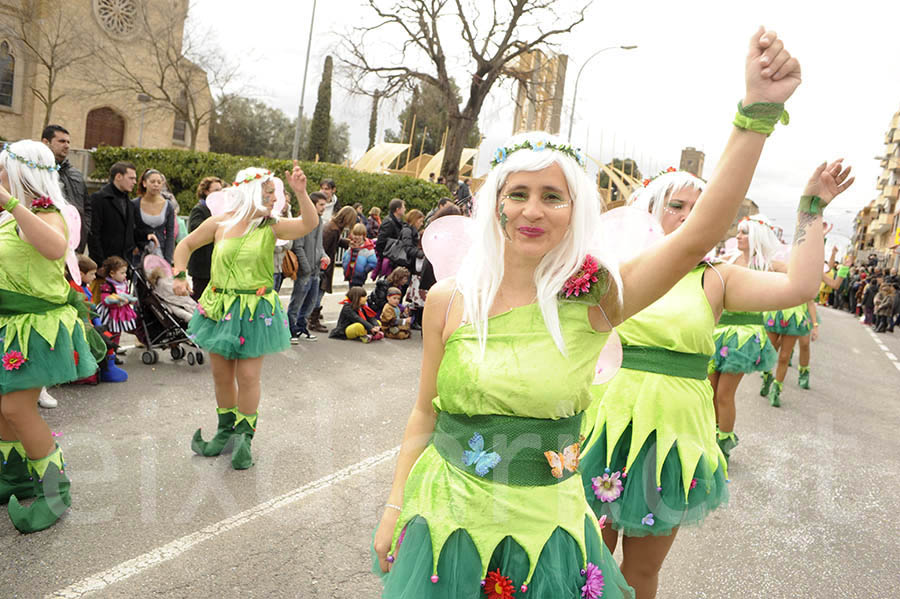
(531, 231)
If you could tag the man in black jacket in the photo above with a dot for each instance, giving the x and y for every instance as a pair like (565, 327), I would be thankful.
(392, 225)
(70, 178)
(112, 222)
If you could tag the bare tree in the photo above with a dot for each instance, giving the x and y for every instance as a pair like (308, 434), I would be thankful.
(359, 83)
(49, 36)
(186, 72)
(495, 32)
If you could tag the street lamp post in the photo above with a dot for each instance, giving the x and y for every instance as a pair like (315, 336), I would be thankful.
(295, 151)
(578, 78)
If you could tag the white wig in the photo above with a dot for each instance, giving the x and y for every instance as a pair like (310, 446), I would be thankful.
(28, 182)
(762, 240)
(653, 198)
(245, 197)
(482, 268)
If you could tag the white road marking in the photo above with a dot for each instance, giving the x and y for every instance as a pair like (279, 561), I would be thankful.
(157, 556)
(892, 356)
(884, 348)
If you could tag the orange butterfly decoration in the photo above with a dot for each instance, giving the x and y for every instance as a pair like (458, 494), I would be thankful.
(566, 460)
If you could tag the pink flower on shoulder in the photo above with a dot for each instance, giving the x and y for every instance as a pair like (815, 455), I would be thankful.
(581, 281)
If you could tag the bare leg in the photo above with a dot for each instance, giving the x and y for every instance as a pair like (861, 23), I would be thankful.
(22, 419)
(643, 559)
(804, 351)
(7, 432)
(775, 338)
(223, 372)
(714, 381)
(248, 374)
(724, 396)
(784, 356)
(610, 537)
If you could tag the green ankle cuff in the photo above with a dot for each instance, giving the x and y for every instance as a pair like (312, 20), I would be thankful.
(39, 467)
(724, 435)
(241, 417)
(804, 369)
(232, 410)
(7, 447)
(778, 385)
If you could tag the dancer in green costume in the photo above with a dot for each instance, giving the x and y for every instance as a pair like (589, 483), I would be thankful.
(785, 329)
(652, 463)
(41, 332)
(485, 499)
(742, 345)
(239, 318)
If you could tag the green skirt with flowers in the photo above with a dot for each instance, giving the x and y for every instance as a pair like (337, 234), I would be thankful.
(742, 348)
(43, 365)
(241, 332)
(795, 321)
(633, 502)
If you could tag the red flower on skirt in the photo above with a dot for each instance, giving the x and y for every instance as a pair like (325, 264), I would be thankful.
(13, 360)
(498, 586)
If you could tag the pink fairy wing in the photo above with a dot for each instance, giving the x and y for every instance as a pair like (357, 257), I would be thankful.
(445, 242)
(72, 263)
(217, 202)
(280, 198)
(625, 232)
(610, 359)
(731, 244)
(73, 222)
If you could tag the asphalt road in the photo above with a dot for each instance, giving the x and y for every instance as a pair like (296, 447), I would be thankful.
(814, 506)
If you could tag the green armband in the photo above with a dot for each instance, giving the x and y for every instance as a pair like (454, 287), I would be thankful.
(843, 271)
(810, 205)
(761, 117)
(181, 275)
(10, 204)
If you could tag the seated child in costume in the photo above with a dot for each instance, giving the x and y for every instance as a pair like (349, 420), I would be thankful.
(98, 336)
(182, 306)
(399, 278)
(360, 259)
(357, 320)
(395, 320)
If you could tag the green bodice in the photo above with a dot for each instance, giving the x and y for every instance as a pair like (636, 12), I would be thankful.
(678, 409)
(24, 270)
(521, 370)
(239, 266)
(522, 374)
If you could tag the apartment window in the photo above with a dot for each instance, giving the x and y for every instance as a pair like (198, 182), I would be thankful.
(179, 131)
(7, 75)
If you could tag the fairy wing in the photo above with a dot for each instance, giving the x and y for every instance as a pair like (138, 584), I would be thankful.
(625, 232)
(445, 243)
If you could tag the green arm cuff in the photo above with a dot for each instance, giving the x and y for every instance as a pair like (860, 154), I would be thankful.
(761, 117)
(810, 205)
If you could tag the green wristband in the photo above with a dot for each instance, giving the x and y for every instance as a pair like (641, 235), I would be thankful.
(761, 117)
(810, 205)
(11, 204)
(181, 275)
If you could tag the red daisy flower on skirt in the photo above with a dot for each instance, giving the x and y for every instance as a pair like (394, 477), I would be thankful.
(13, 360)
(498, 586)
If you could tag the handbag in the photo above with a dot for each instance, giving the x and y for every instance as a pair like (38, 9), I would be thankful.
(290, 265)
(395, 252)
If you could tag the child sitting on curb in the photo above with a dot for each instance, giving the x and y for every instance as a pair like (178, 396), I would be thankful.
(395, 318)
(360, 259)
(357, 320)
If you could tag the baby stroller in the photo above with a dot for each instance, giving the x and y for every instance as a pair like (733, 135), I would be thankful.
(159, 328)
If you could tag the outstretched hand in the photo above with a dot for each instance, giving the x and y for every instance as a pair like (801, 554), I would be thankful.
(829, 180)
(296, 179)
(771, 73)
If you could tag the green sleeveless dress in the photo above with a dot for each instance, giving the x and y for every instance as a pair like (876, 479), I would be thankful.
(41, 332)
(652, 462)
(239, 314)
(794, 321)
(500, 508)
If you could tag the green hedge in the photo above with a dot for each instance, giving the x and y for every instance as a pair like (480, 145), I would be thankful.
(185, 168)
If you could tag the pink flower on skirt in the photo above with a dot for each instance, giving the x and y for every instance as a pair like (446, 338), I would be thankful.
(607, 487)
(724, 351)
(242, 340)
(13, 360)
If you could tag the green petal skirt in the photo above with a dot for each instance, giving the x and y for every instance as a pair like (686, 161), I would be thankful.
(558, 573)
(755, 354)
(70, 359)
(640, 495)
(236, 337)
(796, 325)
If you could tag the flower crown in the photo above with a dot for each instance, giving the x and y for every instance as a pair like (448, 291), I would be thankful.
(252, 178)
(759, 222)
(650, 180)
(501, 154)
(27, 162)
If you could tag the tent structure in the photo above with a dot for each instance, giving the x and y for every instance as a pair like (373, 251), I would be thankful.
(380, 157)
(434, 165)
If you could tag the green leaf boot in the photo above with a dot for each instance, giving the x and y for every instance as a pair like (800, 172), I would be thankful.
(803, 381)
(775, 394)
(727, 442)
(767, 383)
(244, 429)
(14, 476)
(51, 491)
(223, 435)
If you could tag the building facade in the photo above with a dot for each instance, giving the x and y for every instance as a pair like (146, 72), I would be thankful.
(539, 98)
(692, 162)
(89, 104)
(877, 225)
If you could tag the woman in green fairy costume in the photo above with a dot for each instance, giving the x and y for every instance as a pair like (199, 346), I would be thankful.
(652, 463)
(42, 337)
(485, 499)
(742, 345)
(240, 318)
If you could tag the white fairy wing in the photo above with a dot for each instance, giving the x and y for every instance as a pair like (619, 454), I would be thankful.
(445, 242)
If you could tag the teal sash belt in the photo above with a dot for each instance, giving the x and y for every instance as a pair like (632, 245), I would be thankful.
(519, 443)
(664, 361)
(13, 304)
(741, 319)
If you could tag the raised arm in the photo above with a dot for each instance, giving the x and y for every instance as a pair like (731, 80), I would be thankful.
(202, 235)
(771, 76)
(750, 290)
(420, 425)
(292, 228)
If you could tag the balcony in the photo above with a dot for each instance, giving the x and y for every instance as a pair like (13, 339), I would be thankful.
(881, 224)
(894, 163)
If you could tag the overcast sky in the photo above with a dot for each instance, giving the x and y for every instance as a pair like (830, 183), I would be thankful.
(679, 88)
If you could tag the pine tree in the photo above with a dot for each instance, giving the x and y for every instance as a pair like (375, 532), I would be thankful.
(321, 122)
